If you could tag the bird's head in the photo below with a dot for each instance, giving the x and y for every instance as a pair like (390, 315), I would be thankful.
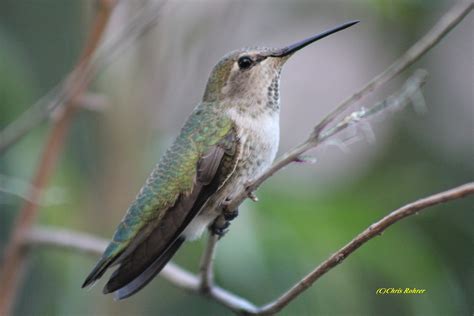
(253, 73)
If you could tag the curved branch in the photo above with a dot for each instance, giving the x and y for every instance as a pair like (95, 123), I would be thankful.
(91, 245)
(372, 231)
(206, 268)
(186, 280)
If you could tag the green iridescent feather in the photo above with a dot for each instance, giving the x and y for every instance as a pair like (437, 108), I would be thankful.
(174, 175)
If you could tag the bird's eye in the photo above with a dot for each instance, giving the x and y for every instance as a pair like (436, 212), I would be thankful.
(245, 62)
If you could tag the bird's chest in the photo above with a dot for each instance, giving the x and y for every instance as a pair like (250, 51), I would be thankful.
(258, 145)
(259, 139)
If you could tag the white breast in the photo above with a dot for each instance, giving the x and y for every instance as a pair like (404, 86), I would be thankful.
(263, 128)
(259, 137)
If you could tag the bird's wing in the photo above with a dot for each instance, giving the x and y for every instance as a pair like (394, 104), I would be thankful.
(194, 168)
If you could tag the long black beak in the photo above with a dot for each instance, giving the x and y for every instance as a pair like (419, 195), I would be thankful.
(299, 45)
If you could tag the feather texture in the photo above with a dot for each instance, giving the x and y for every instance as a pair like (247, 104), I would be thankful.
(188, 174)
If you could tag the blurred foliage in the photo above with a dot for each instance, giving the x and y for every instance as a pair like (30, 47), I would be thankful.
(403, 10)
(300, 220)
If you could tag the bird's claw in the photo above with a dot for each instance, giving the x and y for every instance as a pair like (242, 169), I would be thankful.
(230, 215)
(222, 223)
(219, 227)
(227, 212)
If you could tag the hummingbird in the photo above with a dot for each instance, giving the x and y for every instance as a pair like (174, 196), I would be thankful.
(230, 138)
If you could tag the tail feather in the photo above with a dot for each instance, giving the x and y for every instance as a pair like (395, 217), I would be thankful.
(98, 271)
(147, 275)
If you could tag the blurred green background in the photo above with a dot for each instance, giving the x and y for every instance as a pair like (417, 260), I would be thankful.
(305, 212)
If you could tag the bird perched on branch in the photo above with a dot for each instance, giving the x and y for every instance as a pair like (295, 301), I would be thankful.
(229, 139)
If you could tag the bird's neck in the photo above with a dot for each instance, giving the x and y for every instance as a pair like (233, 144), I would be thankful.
(261, 101)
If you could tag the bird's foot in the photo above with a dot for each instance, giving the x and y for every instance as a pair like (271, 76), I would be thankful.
(222, 223)
(227, 213)
(219, 228)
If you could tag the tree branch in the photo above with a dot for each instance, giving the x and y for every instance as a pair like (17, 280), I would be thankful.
(21, 189)
(184, 279)
(58, 97)
(206, 268)
(13, 261)
(91, 245)
(372, 231)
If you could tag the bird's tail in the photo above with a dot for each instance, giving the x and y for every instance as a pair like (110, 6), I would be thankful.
(145, 277)
(98, 271)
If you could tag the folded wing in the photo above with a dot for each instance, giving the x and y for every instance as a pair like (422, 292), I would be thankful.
(150, 233)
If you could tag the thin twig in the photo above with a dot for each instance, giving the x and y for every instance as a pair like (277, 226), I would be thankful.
(12, 267)
(206, 268)
(184, 279)
(396, 101)
(21, 189)
(372, 231)
(91, 245)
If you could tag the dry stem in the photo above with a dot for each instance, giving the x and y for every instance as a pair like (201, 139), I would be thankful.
(13, 262)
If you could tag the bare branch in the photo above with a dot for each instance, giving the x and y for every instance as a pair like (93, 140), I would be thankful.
(67, 239)
(372, 231)
(190, 282)
(206, 268)
(13, 262)
(91, 245)
(57, 97)
(21, 189)
(396, 101)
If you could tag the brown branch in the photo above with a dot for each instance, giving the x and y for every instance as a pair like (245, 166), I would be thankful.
(91, 245)
(206, 268)
(13, 260)
(372, 231)
(57, 98)
(184, 279)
